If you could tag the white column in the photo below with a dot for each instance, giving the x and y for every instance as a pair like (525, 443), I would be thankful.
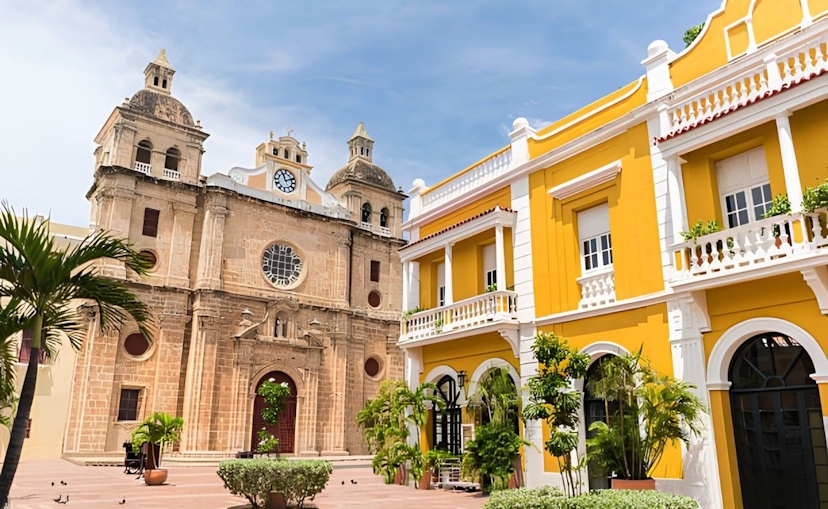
(449, 277)
(675, 193)
(807, 19)
(789, 166)
(413, 369)
(500, 258)
(406, 287)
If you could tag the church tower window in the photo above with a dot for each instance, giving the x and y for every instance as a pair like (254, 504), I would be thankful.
(366, 212)
(144, 152)
(287, 154)
(384, 217)
(155, 81)
(150, 228)
(164, 84)
(172, 159)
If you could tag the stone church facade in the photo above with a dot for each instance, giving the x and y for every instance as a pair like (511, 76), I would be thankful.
(258, 274)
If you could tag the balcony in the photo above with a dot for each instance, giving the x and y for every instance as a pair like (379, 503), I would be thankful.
(172, 174)
(774, 245)
(462, 318)
(597, 289)
(468, 180)
(144, 168)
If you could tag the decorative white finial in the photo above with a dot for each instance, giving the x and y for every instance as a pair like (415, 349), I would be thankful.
(520, 122)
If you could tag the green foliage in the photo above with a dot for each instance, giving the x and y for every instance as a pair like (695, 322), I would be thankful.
(254, 479)
(275, 396)
(385, 420)
(433, 458)
(654, 411)
(691, 34)
(491, 288)
(814, 198)
(700, 229)
(493, 452)
(552, 399)
(552, 498)
(158, 429)
(496, 397)
(781, 205)
(407, 314)
(545, 497)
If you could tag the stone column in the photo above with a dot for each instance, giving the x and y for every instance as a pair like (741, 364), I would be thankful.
(307, 431)
(500, 258)
(688, 320)
(115, 215)
(335, 439)
(212, 240)
(790, 168)
(198, 388)
(178, 264)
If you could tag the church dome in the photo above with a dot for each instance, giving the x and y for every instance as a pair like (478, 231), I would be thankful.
(161, 106)
(361, 170)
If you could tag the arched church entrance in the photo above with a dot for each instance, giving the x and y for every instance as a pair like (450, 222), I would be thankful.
(445, 425)
(596, 410)
(777, 425)
(285, 430)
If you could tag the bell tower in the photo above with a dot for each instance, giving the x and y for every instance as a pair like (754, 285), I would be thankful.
(360, 144)
(158, 74)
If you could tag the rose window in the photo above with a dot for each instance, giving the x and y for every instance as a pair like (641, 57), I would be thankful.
(281, 265)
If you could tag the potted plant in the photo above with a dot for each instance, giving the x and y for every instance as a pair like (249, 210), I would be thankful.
(156, 431)
(654, 411)
(700, 229)
(431, 466)
(781, 205)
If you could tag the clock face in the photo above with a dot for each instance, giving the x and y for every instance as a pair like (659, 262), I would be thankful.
(284, 181)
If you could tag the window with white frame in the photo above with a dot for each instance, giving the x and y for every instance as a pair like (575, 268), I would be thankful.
(744, 188)
(595, 239)
(441, 285)
(489, 267)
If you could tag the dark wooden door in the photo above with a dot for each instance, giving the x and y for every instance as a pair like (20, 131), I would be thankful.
(285, 430)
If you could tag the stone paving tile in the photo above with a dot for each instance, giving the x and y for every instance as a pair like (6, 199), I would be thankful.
(201, 488)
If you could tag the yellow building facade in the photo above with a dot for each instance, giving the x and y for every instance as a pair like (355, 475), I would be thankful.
(582, 229)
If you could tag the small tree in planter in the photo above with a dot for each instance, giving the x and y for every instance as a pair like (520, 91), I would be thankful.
(492, 453)
(551, 398)
(275, 396)
(156, 431)
(654, 410)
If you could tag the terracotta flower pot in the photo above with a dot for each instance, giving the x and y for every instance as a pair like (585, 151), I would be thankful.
(425, 481)
(276, 500)
(155, 477)
(625, 484)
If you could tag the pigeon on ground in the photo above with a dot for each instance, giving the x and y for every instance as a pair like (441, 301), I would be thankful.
(58, 499)
(64, 483)
(53, 483)
(343, 483)
(122, 502)
(65, 501)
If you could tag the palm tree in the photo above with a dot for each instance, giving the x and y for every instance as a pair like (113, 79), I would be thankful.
(39, 281)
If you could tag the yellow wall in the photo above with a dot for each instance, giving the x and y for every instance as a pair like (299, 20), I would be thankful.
(699, 173)
(463, 354)
(808, 132)
(634, 329)
(632, 216)
(502, 197)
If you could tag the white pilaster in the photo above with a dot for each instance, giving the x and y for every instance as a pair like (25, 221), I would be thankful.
(789, 165)
(500, 258)
(675, 194)
(807, 18)
(520, 141)
(406, 270)
(688, 319)
(449, 277)
(657, 63)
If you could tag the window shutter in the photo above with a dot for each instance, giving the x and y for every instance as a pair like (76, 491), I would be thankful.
(593, 222)
(151, 222)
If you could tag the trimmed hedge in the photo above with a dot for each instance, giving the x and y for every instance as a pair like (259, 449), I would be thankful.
(552, 498)
(255, 479)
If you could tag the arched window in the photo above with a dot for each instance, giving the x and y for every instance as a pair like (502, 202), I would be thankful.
(384, 217)
(144, 152)
(172, 159)
(280, 331)
(164, 84)
(445, 430)
(287, 154)
(366, 212)
(155, 81)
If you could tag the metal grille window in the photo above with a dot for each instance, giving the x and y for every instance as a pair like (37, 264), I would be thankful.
(128, 405)
(446, 423)
(281, 265)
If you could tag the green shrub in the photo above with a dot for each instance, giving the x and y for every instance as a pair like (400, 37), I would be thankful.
(627, 499)
(254, 479)
(545, 497)
(552, 498)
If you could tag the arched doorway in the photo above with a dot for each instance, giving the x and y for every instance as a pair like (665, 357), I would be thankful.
(445, 425)
(596, 410)
(285, 431)
(777, 425)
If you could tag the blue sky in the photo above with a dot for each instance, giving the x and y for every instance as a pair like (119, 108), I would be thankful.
(438, 84)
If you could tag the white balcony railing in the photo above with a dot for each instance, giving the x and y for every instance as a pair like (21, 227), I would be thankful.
(778, 73)
(366, 226)
(754, 245)
(171, 174)
(466, 314)
(144, 168)
(597, 289)
(385, 231)
(484, 172)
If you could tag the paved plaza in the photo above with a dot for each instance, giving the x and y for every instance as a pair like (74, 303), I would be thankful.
(201, 488)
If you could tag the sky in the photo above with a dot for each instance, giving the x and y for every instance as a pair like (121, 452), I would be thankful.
(437, 83)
